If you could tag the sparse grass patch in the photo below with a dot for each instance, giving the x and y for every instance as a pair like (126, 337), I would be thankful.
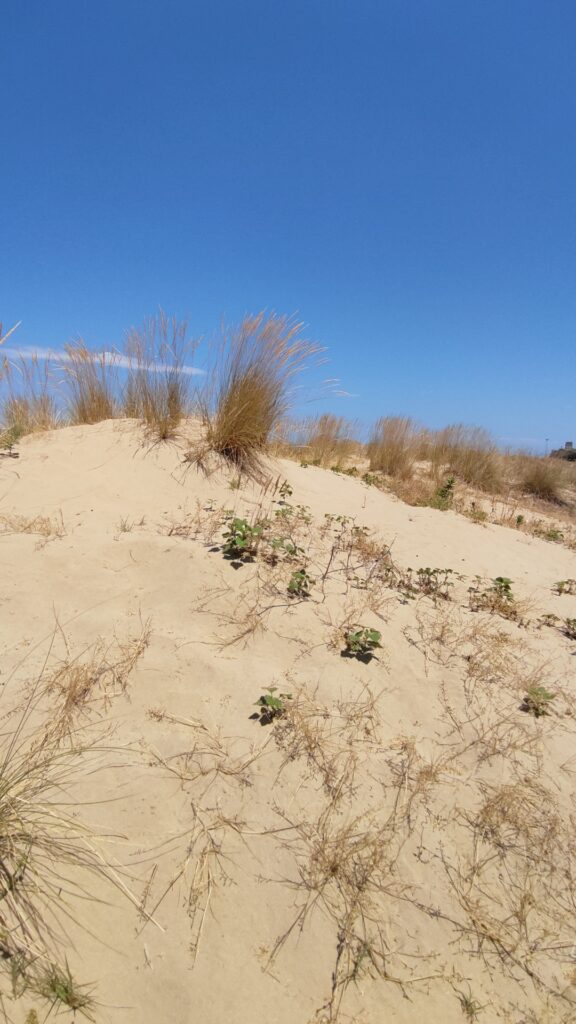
(44, 526)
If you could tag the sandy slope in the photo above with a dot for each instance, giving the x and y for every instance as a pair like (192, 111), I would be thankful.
(370, 792)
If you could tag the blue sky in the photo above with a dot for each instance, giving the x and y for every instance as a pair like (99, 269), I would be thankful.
(401, 173)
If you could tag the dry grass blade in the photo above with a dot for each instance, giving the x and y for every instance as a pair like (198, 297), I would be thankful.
(43, 526)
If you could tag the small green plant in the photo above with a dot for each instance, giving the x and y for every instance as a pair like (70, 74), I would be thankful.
(536, 701)
(361, 643)
(502, 586)
(241, 539)
(549, 619)
(282, 548)
(235, 483)
(498, 597)
(60, 990)
(331, 518)
(9, 438)
(427, 581)
(370, 479)
(442, 499)
(285, 491)
(565, 587)
(271, 706)
(470, 1006)
(553, 534)
(570, 628)
(300, 583)
(519, 520)
(476, 514)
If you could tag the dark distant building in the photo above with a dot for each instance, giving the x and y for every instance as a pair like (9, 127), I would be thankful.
(568, 452)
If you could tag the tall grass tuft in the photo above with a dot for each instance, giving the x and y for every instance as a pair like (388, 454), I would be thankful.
(324, 440)
(392, 447)
(91, 379)
(248, 391)
(467, 452)
(28, 404)
(158, 386)
(543, 478)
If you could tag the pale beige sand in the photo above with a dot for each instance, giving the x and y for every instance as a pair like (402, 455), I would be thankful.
(460, 911)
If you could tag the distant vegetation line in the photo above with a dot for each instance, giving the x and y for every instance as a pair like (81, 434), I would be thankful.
(244, 402)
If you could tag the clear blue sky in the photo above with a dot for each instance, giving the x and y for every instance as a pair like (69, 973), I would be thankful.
(400, 172)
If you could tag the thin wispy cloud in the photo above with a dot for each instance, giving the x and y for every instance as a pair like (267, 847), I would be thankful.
(60, 356)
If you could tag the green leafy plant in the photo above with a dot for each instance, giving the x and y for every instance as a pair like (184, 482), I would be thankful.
(502, 587)
(285, 490)
(444, 496)
(498, 597)
(282, 549)
(241, 539)
(427, 581)
(299, 584)
(549, 619)
(361, 643)
(271, 706)
(565, 587)
(519, 520)
(536, 701)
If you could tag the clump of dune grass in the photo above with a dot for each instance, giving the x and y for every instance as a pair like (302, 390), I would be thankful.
(91, 379)
(43, 845)
(392, 446)
(325, 440)
(27, 404)
(50, 858)
(158, 385)
(57, 986)
(328, 440)
(467, 452)
(248, 391)
(542, 478)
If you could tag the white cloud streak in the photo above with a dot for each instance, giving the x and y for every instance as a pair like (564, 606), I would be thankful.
(60, 356)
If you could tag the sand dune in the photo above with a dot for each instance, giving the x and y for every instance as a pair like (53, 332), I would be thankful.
(397, 845)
